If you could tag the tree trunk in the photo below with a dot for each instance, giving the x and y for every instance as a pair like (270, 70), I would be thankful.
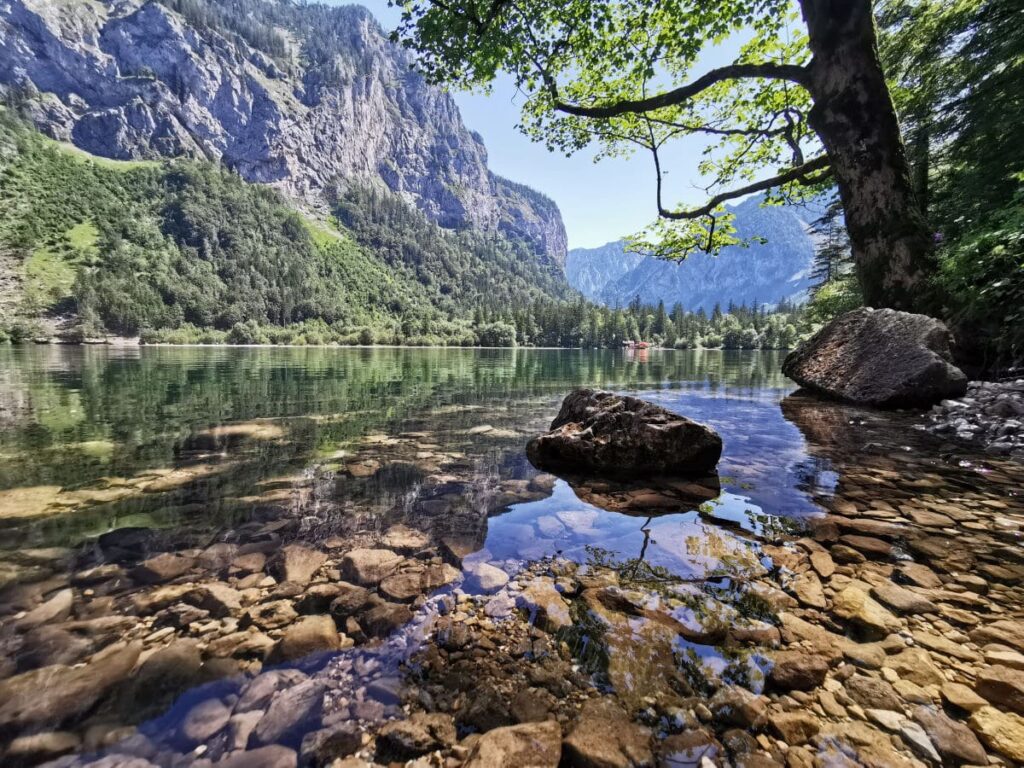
(854, 117)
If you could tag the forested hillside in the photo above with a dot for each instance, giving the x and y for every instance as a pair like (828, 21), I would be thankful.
(187, 251)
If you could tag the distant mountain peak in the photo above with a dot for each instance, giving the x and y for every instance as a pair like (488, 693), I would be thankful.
(305, 98)
(758, 273)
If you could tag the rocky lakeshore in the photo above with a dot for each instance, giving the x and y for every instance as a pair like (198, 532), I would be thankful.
(846, 590)
(885, 632)
(989, 416)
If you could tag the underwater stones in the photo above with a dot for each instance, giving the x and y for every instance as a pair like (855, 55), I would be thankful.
(219, 599)
(256, 695)
(407, 585)
(349, 599)
(902, 600)
(797, 671)
(296, 564)
(537, 745)
(382, 620)
(321, 748)
(248, 644)
(602, 432)
(368, 567)
(129, 543)
(162, 567)
(689, 749)
(308, 635)
(485, 577)
(405, 540)
(794, 728)
(544, 605)
(290, 710)
(954, 741)
(423, 732)
(1002, 731)
(204, 720)
(31, 698)
(40, 747)
(1002, 686)
(879, 357)
(272, 615)
(56, 609)
(318, 598)
(605, 737)
(273, 756)
(855, 606)
(737, 706)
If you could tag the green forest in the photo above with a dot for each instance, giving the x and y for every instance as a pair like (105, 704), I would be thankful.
(186, 252)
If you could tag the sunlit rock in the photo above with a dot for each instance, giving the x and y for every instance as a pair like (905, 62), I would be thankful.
(879, 357)
(602, 432)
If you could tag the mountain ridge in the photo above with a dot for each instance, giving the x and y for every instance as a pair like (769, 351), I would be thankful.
(309, 114)
(758, 273)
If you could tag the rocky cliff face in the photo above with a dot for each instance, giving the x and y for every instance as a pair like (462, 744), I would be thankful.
(305, 98)
(760, 273)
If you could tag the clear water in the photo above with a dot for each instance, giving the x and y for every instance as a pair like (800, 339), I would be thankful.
(210, 444)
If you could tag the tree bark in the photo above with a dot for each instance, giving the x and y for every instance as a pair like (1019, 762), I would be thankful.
(854, 117)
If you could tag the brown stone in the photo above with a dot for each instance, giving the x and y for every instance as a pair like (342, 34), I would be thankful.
(794, 728)
(616, 434)
(538, 745)
(797, 671)
(605, 737)
(842, 361)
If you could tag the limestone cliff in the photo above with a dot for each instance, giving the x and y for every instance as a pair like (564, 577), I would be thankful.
(306, 98)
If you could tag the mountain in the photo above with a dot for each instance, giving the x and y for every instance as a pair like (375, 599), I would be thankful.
(759, 273)
(182, 167)
(306, 98)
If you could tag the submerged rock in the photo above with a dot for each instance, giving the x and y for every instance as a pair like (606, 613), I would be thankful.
(532, 744)
(613, 434)
(879, 357)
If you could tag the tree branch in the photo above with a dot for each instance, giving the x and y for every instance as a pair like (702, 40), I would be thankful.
(800, 173)
(791, 72)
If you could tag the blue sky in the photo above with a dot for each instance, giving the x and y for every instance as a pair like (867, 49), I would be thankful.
(600, 202)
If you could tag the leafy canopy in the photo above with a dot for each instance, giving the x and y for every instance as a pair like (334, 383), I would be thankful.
(616, 76)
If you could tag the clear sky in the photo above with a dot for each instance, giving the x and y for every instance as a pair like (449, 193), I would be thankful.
(600, 202)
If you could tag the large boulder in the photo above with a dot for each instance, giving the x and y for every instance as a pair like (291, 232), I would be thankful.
(613, 434)
(879, 357)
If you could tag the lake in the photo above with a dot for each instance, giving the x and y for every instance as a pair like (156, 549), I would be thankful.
(147, 496)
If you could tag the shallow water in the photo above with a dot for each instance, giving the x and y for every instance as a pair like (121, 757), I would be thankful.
(333, 447)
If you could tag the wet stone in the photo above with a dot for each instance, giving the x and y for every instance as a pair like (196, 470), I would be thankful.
(321, 748)
(1003, 687)
(797, 671)
(308, 635)
(205, 720)
(538, 745)
(402, 740)
(296, 564)
(368, 567)
(954, 741)
(605, 737)
(688, 749)
(163, 567)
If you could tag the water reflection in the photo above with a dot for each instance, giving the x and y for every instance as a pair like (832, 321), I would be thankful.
(212, 460)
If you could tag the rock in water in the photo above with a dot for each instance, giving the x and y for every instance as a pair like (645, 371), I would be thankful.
(613, 434)
(879, 357)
